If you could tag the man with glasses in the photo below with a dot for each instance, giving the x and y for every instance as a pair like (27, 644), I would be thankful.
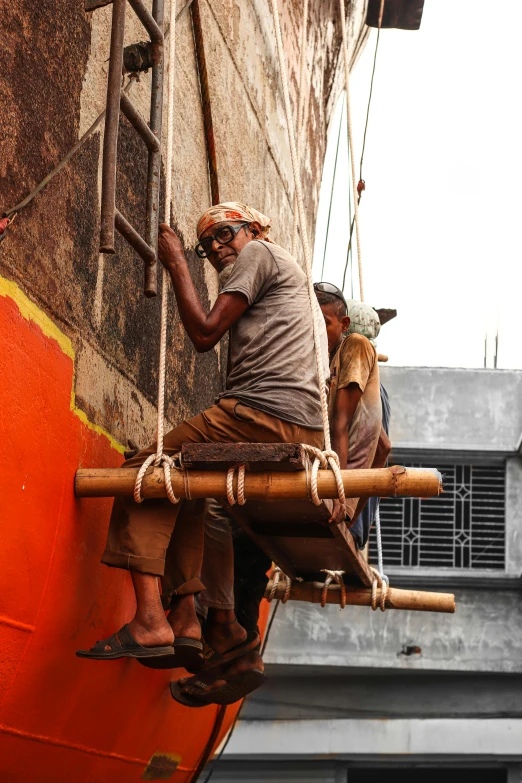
(356, 401)
(271, 395)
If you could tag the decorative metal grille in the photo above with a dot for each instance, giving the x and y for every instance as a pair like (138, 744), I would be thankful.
(463, 528)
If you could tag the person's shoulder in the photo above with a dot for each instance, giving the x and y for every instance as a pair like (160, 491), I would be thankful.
(357, 343)
(255, 249)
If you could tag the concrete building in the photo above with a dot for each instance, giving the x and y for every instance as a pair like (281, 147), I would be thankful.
(354, 695)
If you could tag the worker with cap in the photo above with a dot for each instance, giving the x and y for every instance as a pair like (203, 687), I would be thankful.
(272, 395)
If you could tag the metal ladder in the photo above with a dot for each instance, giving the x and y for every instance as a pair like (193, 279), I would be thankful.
(117, 100)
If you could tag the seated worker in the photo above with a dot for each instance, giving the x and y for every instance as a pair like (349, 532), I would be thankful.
(360, 434)
(272, 395)
(354, 403)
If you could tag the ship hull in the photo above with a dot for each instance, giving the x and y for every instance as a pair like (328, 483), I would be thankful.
(63, 718)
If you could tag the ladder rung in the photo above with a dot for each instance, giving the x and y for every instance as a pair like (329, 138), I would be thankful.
(134, 239)
(147, 20)
(138, 123)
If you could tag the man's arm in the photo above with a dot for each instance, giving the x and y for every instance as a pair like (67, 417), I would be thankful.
(379, 461)
(346, 401)
(205, 331)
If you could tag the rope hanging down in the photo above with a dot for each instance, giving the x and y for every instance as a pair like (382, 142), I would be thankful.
(302, 223)
(160, 458)
(300, 116)
(350, 145)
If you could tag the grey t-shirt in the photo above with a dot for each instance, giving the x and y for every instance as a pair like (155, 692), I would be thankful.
(272, 360)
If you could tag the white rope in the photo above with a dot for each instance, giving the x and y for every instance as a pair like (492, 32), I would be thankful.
(241, 499)
(302, 223)
(380, 581)
(159, 458)
(337, 577)
(380, 560)
(300, 116)
(323, 459)
(350, 142)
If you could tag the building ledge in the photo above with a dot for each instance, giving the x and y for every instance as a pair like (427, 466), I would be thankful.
(453, 578)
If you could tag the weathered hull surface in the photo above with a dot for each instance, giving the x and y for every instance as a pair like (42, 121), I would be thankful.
(64, 719)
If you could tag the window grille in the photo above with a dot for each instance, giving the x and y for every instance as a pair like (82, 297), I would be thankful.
(463, 528)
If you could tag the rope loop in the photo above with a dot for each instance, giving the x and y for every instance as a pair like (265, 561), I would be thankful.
(275, 576)
(324, 459)
(241, 499)
(168, 464)
(380, 581)
(337, 577)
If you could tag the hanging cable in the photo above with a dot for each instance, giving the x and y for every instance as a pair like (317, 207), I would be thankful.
(350, 144)
(333, 187)
(381, 11)
(299, 120)
(302, 224)
(361, 186)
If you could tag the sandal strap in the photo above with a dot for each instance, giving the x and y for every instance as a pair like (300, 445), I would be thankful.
(122, 639)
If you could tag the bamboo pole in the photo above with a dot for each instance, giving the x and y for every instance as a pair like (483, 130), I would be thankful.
(414, 600)
(265, 486)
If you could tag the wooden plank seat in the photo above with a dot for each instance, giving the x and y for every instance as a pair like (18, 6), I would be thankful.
(278, 512)
(293, 533)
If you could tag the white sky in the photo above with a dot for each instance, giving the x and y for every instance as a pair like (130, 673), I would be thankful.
(440, 217)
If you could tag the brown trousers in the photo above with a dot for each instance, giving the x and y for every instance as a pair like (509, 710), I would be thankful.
(156, 537)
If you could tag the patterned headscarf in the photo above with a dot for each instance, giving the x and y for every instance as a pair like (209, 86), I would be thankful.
(233, 211)
(363, 320)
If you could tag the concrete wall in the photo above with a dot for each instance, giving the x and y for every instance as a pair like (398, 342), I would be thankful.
(53, 69)
(484, 635)
(454, 409)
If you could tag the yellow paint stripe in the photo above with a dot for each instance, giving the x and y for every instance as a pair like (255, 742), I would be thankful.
(31, 312)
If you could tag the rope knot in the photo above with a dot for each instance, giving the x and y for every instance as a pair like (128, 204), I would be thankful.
(337, 577)
(380, 581)
(168, 464)
(324, 459)
(276, 576)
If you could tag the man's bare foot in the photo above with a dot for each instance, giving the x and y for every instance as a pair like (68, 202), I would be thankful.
(222, 630)
(248, 662)
(182, 617)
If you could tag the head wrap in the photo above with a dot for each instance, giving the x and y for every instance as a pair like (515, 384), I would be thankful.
(234, 211)
(363, 320)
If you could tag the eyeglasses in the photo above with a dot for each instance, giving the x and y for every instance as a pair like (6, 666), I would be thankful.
(223, 235)
(329, 288)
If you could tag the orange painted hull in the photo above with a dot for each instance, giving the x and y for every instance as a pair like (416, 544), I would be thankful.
(64, 719)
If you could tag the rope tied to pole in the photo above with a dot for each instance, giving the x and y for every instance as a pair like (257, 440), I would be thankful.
(160, 458)
(337, 577)
(380, 581)
(324, 459)
(241, 499)
(276, 576)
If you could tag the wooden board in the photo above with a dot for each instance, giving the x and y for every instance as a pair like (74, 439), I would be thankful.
(258, 456)
(294, 533)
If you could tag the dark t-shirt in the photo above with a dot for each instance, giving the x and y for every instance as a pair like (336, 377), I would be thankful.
(272, 360)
